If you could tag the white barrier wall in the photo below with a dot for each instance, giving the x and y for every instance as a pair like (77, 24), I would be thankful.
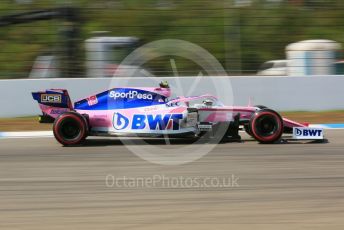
(311, 93)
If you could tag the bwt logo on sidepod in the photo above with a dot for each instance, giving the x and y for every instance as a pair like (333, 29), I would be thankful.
(148, 121)
(131, 94)
(119, 121)
(308, 132)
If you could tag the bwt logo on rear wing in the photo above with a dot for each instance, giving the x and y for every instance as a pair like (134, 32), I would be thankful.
(306, 133)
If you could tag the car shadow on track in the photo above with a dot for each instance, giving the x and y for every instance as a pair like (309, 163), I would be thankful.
(146, 141)
(180, 141)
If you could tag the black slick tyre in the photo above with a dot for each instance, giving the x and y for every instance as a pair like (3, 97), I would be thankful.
(70, 129)
(266, 126)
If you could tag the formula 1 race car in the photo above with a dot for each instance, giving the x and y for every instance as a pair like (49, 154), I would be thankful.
(150, 111)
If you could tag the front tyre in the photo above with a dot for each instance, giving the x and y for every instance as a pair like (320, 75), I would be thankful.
(70, 129)
(266, 126)
(247, 126)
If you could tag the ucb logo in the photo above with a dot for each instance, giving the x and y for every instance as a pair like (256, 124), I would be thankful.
(51, 98)
(308, 132)
(119, 121)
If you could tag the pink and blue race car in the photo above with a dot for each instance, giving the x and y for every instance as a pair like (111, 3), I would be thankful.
(151, 112)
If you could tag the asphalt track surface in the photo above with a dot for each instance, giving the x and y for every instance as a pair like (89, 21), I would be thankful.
(282, 186)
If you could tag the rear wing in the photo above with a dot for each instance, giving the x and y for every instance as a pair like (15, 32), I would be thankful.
(53, 102)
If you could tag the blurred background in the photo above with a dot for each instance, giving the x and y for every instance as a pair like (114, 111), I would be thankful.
(86, 38)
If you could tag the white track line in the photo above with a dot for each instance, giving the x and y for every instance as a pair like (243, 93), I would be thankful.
(26, 134)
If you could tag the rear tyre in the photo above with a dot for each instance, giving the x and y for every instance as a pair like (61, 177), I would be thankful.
(266, 126)
(70, 129)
